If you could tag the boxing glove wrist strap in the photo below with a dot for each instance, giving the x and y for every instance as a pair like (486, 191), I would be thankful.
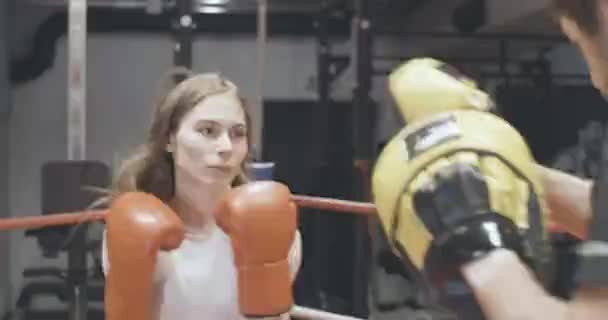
(593, 253)
(261, 288)
(462, 242)
(474, 237)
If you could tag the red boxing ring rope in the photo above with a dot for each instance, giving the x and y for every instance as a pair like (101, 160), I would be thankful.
(70, 218)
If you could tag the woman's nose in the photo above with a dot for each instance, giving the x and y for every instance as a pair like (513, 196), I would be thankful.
(224, 143)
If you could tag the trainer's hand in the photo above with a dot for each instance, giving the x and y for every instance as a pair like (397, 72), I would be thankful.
(569, 200)
(506, 290)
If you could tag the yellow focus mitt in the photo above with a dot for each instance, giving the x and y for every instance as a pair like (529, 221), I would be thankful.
(458, 181)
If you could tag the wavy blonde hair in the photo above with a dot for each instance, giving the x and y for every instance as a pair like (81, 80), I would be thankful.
(150, 168)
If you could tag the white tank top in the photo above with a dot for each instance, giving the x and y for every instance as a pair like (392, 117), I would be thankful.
(198, 280)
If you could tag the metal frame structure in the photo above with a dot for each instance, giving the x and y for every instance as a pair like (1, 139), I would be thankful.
(364, 115)
(5, 111)
(329, 67)
(497, 36)
(363, 43)
(76, 148)
(183, 28)
(107, 20)
(529, 68)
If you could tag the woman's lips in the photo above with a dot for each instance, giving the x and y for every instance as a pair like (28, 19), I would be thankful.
(222, 169)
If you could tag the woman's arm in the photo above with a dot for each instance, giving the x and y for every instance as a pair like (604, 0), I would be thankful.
(295, 256)
(569, 200)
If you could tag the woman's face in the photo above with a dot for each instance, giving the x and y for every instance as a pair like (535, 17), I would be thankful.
(210, 143)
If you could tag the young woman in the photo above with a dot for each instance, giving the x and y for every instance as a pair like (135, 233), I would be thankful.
(195, 152)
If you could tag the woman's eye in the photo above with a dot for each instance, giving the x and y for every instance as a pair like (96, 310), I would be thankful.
(238, 132)
(208, 131)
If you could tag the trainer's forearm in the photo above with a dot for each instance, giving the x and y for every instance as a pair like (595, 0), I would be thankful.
(569, 200)
(501, 278)
(589, 304)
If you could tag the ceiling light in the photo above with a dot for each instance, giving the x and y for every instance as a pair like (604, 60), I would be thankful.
(211, 9)
(214, 2)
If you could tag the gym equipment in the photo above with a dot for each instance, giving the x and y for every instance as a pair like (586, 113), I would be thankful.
(71, 284)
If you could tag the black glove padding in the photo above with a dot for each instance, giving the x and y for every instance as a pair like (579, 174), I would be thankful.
(455, 207)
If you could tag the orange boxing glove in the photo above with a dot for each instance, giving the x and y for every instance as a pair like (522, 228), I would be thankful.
(261, 220)
(138, 226)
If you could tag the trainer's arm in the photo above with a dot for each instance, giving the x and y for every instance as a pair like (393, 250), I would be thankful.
(590, 303)
(569, 200)
(500, 278)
